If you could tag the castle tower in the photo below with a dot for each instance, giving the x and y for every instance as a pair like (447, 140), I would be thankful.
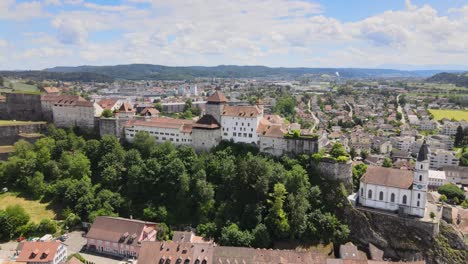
(215, 105)
(420, 182)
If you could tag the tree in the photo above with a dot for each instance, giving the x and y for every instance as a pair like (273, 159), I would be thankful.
(443, 198)
(276, 218)
(353, 153)
(2, 82)
(188, 105)
(159, 107)
(162, 232)
(399, 116)
(144, 143)
(36, 184)
(387, 163)
(432, 215)
(338, 150)
(451, 191)
(285, 106)
(358, 171)
(232, 236)
(72, 220)
(47, 226)
(261, 237)
(107, 113)
(207, 230)
(459, 137)
(11, 221)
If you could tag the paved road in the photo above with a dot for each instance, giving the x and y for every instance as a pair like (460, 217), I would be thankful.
(400, 110)
(350, 109)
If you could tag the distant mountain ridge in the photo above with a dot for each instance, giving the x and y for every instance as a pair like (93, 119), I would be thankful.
(160, 72)
(459, 79)
(59, 76)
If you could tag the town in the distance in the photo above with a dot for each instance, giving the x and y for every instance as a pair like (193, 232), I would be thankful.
(315, 168)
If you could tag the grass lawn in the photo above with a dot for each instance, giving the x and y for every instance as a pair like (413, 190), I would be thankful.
(7, 149)
(36, 210)
(13, 122)
(455, 114)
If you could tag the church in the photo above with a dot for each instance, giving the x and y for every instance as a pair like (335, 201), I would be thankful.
(401, 191)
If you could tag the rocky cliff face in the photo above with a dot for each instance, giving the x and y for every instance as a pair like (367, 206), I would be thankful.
(402, 239)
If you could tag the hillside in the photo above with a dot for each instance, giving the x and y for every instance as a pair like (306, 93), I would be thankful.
(159, 72)
(72, 76)
(459, 79)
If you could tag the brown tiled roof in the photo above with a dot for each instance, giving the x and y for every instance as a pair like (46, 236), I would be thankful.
(388, 177)
(163, 122)
(116, 229)
(107, 103)
(66, 100)
(153, 252)
(261, 256)
(74, 260)
(126, 107)
(150, 110)
(51, 90)
(207, 122)
(216, 97)
(241, 111)
(38, 251)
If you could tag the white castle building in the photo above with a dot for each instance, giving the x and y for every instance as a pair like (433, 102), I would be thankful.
(239, 124)
(397, 190)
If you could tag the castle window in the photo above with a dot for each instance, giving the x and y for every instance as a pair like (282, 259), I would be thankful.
(420, 177)
(419, 196)
(392, 198)
(369, 194)
(421, 166)
(404, 199)
(362, 192)
(381, 196)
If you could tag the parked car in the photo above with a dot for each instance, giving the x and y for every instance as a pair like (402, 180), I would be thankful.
(21, 238)
(63, 237)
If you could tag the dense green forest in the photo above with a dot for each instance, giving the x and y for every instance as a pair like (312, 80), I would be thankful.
(233, 194)
(459, 79)
(160, 72)
(58, 76)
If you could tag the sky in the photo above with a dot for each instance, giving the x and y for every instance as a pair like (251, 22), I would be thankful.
(400, 34)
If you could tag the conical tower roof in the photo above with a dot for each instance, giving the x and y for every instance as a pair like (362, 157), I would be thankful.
(217, 97)
(423, 152)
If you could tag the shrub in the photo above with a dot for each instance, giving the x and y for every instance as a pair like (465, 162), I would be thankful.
(451, 191)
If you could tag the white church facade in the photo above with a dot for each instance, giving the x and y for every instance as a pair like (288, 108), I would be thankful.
(397, 190)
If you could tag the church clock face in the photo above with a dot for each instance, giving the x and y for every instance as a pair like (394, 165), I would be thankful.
(419, 186)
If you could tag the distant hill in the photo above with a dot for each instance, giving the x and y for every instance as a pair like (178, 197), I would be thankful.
(159, 72)
(59, 76)
(459, 79)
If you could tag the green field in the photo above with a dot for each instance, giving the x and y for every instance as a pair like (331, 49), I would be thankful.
(35, 209)
(18, 86)
(450, 114)
(13, 122)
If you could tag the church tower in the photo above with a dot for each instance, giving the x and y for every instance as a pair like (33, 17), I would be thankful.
(420, 182)
(215, 105)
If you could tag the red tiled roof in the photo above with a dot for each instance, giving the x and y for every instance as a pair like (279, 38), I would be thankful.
(51, 90)
(114, 229)
(126, 107)
(153, 252)
(388, 177)
(217, 97)
(38, 251)
(107, 103)
(241, 111)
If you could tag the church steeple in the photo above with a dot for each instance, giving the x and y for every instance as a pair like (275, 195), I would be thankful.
(423, 152)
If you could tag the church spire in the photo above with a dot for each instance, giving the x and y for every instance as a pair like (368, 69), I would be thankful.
(423, 152)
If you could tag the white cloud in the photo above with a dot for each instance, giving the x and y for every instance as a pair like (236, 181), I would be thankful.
(12, 10)
(274, 32)
(3, 43)
(53, 2)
